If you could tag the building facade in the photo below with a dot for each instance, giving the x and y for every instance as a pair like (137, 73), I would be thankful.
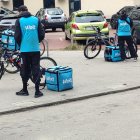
(109, 7)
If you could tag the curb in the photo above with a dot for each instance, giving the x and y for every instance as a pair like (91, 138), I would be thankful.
(66, 101)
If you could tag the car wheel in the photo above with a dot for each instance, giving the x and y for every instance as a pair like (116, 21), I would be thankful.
(66, 38)
(53, 29)
(63, 29)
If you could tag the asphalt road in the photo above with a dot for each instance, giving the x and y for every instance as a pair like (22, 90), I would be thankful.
(111, 117)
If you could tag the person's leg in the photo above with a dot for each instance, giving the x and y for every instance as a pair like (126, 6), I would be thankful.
(129, 41)
(24, 73)
(36, 72)
(121, 42)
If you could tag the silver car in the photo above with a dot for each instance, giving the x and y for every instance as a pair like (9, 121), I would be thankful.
(4, 12)
(52, 18)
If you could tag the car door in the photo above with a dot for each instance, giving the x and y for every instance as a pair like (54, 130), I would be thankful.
(135, 16)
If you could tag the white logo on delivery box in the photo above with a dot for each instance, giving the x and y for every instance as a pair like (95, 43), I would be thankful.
(67, 81)
(117, 54)
(50, 79)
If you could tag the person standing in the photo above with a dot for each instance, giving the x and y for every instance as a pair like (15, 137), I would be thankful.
(124, 27)
(28, 33)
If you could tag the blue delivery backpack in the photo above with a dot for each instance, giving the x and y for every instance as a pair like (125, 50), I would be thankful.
(8, 40)
(112, 53)
(59, 78)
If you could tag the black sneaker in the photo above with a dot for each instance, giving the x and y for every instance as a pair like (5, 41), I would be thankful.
(22, 93)
(38, 94)
(135, 59)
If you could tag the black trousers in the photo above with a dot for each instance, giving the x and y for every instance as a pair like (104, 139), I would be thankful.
(129, 41)
(30, 62)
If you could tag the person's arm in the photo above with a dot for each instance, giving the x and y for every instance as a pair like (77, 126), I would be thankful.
(17, 34)
(41, 31)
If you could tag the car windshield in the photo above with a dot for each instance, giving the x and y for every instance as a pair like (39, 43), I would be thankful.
(87, 18)
(7, 10)
(54, 12)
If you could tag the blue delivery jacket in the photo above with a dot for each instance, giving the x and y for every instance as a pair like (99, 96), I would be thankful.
(124, 27)
(28, 32)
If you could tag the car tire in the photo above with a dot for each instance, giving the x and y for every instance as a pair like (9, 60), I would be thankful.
(63, 29)
(66, 38)
(53, 29)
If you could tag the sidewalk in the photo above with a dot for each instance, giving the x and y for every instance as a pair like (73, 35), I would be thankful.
(91, 78)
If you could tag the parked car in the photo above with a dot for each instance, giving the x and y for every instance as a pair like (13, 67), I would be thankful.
(115, 16)
(52, 18)
(135, 16)
(8, 22)
(80, 24)
(4, 12)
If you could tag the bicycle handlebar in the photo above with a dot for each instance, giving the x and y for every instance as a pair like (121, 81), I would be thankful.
(97, 29)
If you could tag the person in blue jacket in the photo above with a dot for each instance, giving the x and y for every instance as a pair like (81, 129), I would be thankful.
(28, 33)
(124, 26)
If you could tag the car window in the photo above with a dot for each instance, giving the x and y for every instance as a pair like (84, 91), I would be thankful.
(2, 12)
(128, 10)
(89, 17)
(54, 12)
(135, 15)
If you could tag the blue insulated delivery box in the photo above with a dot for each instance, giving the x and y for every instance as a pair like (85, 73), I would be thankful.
(112, 53)
(8, 40)
(59, 78)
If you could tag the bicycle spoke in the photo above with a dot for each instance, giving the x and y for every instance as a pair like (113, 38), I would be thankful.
(92, 50)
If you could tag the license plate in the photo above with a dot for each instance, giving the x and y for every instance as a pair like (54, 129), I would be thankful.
(89, 28)
(56, 20)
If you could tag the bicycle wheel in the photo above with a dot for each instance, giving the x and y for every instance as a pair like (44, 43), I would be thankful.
(11, 65)
(1, 69)
(127, 52)
(45, 62)
(42, 47)
(92, 49)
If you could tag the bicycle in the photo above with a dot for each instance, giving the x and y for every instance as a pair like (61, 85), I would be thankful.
(11, 63)
(93, 47)
(94, 44)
